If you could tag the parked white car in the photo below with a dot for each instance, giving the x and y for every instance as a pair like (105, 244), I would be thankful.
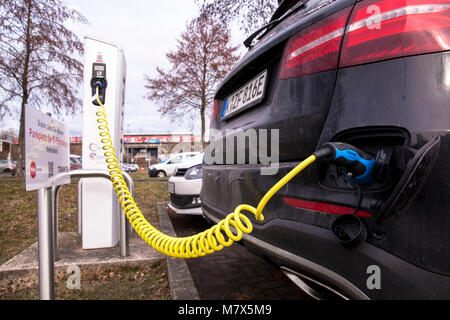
(166, 168)
(128, 167)
(75, 162)
(185, 186)
(7, 166)
(134, 165)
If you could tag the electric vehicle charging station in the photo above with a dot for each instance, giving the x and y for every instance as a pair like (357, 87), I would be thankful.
(47, 151)
(104, 66)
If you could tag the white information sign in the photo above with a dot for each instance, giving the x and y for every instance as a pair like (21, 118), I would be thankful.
(47, 144)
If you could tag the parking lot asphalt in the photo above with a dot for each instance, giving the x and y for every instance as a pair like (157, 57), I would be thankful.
(5, 174)
(233, 273)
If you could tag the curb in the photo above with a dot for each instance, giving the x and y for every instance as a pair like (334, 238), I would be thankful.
(181, 284)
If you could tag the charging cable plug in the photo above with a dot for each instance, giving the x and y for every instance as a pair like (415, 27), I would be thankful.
(359, 164)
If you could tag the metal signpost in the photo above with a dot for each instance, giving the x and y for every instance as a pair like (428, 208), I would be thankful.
(45, 245)
(47, 170)
(46, 153)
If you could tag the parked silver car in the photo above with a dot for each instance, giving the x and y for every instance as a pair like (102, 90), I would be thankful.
(7, 166)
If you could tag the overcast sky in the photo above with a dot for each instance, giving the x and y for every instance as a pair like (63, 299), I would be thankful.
(146, 30)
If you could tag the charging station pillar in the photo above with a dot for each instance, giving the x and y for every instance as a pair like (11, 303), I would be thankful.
(100, 210)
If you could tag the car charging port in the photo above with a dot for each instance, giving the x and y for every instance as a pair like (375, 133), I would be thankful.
(387, 145)
(369, 167)
(358, 169)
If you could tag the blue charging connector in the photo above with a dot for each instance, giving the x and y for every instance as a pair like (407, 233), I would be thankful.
(359, 164)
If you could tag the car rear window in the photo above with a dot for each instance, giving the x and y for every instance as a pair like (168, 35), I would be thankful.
(284, 7)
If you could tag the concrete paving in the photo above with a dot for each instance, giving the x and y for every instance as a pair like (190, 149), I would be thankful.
(71, 253)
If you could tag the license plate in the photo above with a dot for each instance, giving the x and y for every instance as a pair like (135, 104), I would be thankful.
(247, 96)
(171, 187)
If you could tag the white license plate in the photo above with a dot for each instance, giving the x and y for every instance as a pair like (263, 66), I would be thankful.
(247, 96)
(171, 187)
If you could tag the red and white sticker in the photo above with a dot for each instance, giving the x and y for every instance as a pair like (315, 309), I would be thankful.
(33, 169)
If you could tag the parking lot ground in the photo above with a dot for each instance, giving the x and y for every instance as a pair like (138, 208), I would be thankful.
(5, 174)
(234, 273)
(70, 252)
(104, 274)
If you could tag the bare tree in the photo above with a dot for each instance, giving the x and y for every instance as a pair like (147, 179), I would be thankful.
(203, 57)
(250, 14)
(36, 63)
(8, 134)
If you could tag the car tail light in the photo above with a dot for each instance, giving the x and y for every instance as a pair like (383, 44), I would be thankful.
(315, 48)
(324, 207)
(214, 110)
(380, 30)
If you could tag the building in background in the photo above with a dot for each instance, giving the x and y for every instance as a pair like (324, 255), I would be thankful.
(145, 148)
(5, 149)
(138, 148)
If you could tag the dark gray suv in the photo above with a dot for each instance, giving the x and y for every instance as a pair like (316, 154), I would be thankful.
(374, 74)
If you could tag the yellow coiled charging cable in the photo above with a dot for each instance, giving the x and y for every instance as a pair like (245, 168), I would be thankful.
(198, 245)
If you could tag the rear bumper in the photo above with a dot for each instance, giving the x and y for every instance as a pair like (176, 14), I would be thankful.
(313, 252)
(186, 187)
(190, 211)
